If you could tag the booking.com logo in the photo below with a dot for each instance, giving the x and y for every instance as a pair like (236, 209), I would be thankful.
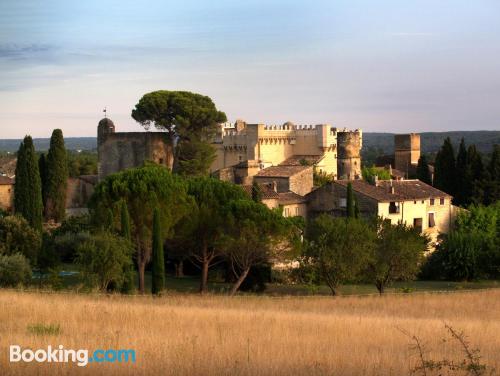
(61, 355)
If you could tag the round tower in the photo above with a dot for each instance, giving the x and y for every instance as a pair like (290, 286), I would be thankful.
(349, 154)
(105, 127)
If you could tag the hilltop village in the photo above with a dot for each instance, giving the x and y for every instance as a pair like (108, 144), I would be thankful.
(284, 161)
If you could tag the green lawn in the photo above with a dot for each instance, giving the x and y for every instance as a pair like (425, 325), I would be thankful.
(190, 284)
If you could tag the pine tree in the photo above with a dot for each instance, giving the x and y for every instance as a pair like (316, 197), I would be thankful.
(256, 192)
(445, 168)
(158, 269)
(125, 221)
(28, 190)
(423, 173)
(56, 178)
(351, 213)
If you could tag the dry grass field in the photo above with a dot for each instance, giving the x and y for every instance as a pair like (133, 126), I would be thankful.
(216, 335)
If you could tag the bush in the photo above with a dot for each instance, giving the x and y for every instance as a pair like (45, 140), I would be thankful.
(16, 236)
(14, 270)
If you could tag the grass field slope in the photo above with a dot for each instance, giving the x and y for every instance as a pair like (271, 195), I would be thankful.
(183, 334)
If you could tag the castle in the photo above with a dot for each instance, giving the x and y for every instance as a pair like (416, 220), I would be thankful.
(244, 150)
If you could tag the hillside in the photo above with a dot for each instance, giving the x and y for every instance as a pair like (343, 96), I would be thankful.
(430, 141)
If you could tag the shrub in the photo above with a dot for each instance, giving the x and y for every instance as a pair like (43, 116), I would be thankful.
(14, 270)
(16, 236)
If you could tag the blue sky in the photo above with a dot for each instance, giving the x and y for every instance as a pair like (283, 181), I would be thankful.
(394, 66)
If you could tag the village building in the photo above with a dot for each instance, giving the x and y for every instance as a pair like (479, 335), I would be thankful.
(6, 193)
(243, 150)
(408, 201)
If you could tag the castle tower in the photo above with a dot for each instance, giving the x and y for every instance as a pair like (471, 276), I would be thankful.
(104, 128)
(406, 152)
(349, 145)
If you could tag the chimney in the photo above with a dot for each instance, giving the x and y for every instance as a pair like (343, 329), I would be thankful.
(375, 180)
(391, 187)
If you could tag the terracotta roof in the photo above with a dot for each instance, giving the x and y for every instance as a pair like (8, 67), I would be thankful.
(267, 191)
(404, 190)
(282, 171)
(287, 198)
(302, 160)
(5, 180)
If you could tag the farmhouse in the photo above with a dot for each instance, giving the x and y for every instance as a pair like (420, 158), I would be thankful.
(6, 193)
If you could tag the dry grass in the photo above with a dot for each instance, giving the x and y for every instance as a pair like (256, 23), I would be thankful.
(214, 335)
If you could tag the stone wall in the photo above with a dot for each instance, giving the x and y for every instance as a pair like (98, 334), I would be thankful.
(7, 197)
(78, 193)
(406, 151)
(119, 151)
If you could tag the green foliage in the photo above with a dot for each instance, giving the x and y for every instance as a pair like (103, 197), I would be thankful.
(14, 270)
(397, 255)
(56, 180)
(17, 237)
(42, 169)
(445, 168)
(45, 329)
(187, 118)
(81, 163)
(158, 268)
(104, 259)
(28, 190)
(338, 249)
(125, 222)
(321, 178)
(143, 190)
(256, 192)
(423, 173)
(369, 173)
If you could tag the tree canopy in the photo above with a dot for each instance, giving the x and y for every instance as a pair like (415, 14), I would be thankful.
(56, 178)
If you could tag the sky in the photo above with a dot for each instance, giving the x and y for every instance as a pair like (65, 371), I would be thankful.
(383, 66)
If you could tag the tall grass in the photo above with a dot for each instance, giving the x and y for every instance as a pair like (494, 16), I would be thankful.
(216, 335)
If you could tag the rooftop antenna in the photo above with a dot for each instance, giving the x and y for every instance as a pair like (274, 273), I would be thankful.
(105, 112)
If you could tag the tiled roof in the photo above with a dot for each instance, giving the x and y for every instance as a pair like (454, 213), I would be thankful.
(302, 160)
(5, 180)
(404, 190)
(287, 198)
(282, 171)
(267, 190)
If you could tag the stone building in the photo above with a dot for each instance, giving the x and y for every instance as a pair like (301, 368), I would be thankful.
(121, 150)
(406, 153)
(79, 191)
(245, 149)
(6, 193)
(410, 201)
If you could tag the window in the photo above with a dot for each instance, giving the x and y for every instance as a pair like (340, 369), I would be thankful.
(432, 223)
(441, 201)
(423, 201)
(161, 161)
(394, 208)
(432, 201)
(287, 212)
(297, 211)
(415, 202)
(343, 202)
(417, 223)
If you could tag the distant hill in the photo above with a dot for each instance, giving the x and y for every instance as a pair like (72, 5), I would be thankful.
(42, 144)
(430, 141)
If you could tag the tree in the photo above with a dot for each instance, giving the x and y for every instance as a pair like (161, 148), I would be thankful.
(14, 270)
(104, 259)
(477, 175)
(143, 190)
(492, 188)
(56, 178)
(28, 190)
(202, 229)
(464, 177)
(255, 235)
(158, 270)
(186, 117)
(125, 232)
(398, 254)
(16, 236)
(195, 157)
(423, 173)
(338, 249)
(351, 212)
(42, 168)
(256, 192)
(445, 168)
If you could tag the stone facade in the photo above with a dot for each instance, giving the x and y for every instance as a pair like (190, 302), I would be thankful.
(406, 152)
(297, 179)
(119, 151)
(261, 146)
(79, 191)
(6, 193)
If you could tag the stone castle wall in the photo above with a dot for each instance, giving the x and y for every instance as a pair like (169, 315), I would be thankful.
(7, 197)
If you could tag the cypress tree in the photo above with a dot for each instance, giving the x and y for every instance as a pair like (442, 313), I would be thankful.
(28, 190)
(478, 175)
(56, 178)
(464, 177)
(445, 168)
(356, 209)
(492, 193)
(158, 269)
(256, 192)
(423, 173)
(351, 212)
(42, 168)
